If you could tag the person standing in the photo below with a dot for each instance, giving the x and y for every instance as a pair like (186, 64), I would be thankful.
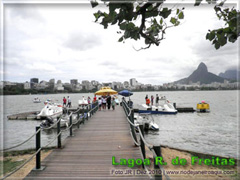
(104, 102)
(64, 102)
(147, 101)
(89, 100)
(94, 99)
(157, 99)
(113, 103)
(109, 101)
(69, 102)
(99, 103)
(146, 97)
(152, 98)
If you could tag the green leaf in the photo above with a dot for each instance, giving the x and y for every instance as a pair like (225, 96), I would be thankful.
(94, 4)
(120, 39)
(232, 38)
(211, 35)
(197, 2)
(222, 40)
(123, 26)
(177, 23)
(173, 20)
(181, 15)
(165, 12)
(98, 15)
(177, 11)
(113, 6)
(161, 21)
(217, 45)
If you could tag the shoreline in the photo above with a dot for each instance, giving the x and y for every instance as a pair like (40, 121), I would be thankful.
(92, 92)
(168, 154)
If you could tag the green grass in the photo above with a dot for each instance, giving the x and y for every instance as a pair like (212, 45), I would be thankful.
(9, 165)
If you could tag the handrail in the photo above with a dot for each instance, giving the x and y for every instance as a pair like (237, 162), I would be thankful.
(21, 142)
(150, 146)
(9, 174)
(29, 159)
(40, 129)
(143, 141)
(137, 143)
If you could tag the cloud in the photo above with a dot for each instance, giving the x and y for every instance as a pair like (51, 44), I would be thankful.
(108, 63)
(82, 41)
(41, 67)
(64, 43)
(25, 11)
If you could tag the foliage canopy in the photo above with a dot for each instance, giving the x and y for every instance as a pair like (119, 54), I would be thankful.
(150, 20)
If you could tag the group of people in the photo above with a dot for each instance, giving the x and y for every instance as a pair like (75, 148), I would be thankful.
(67, 102)
(106, 102)
(148, 101)
(103, 102)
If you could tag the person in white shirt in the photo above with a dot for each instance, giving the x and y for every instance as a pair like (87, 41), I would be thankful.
(69, 102)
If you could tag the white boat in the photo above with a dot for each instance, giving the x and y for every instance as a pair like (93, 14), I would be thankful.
(147, 121)
(51, 110)
(36, 100)
(64, 121)
(82, 102)
(163, 107)
(49, 121)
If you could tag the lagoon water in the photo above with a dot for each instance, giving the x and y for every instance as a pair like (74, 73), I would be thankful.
(215, 133)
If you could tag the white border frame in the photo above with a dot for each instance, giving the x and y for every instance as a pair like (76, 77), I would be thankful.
(2, 2)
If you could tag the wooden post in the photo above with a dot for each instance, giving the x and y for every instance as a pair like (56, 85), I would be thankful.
(58, 131)
(142, 142)
(78, 118)
(83, 117)
(174, 105)
(70, 121)
(157, 150)
(38, 145)
(131, 117)
(87, 114)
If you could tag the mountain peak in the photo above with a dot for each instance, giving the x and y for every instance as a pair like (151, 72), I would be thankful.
(201, 75)
(202, 67)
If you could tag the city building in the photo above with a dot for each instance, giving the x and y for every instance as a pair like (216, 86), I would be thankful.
(33, 82)
(59, 86)
(133, 82)
(51, 84)
(27, 85)
(74, 81)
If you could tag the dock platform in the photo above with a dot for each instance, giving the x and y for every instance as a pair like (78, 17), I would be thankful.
(88, 154)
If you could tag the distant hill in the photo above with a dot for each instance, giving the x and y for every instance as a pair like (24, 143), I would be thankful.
(231, 74)
(202, 75)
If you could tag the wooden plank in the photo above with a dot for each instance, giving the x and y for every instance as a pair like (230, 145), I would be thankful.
(88, 154)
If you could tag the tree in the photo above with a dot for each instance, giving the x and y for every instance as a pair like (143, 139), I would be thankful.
(150, 20)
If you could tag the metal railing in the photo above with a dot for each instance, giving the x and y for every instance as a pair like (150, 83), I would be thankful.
(141, 142)
(87, 112)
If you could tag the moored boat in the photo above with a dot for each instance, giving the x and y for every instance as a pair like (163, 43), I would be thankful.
(203, 107)
(82, 102)
(36, 100)
(147, 121)
(50, 110)
(163, 107)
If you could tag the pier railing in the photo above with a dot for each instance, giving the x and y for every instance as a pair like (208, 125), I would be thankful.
(83, 114)
(141, 142)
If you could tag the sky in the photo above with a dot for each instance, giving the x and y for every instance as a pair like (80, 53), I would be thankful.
(63, 42)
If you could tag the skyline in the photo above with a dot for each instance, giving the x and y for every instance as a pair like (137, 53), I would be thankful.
(46, 41)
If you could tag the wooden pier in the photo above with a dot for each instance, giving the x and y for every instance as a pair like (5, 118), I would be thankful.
(88, 154)
(24, 116)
